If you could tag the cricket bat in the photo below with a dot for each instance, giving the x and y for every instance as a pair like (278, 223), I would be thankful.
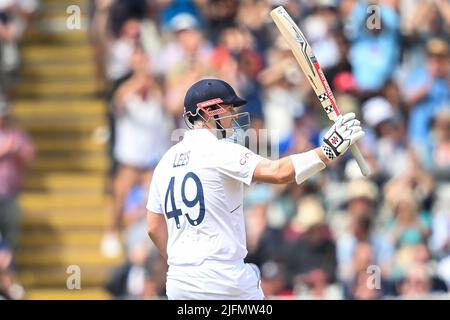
(310, 66)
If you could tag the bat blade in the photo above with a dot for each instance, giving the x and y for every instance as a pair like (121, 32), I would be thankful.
(305, 57)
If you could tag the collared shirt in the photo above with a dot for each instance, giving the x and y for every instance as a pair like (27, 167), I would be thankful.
(198, 186)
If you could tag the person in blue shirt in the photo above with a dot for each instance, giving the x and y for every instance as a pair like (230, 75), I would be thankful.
(375, 47)
(428, 90)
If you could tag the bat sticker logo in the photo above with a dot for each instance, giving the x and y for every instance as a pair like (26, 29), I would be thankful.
(300, 39)
(329, 109)
(303, 44)
(323, 97)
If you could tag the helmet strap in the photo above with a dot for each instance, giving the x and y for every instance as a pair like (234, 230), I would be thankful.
(219, 126)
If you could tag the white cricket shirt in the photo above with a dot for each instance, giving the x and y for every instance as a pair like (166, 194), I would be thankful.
(198, 186)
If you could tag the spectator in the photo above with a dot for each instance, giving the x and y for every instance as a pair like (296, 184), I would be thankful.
(315, 285)
(319, 27)
(274, 282)
(9, 287)
(16, 154)
(360, 290)
(99, 37)
(264, 242)
(219, 15)
(120, 51)
(427, 91)
(141, 276)
(423, 20)
(15, 16)
(182, 61)
(417, 284)
(437, 156)
(440, 236)
(374, 50)
(235, 61)
(283, 102)
(312, 258)
(409, 226)
(397, 219)
(171, 8)
(143, 273)
(143, 135)
(361, 199)
(360, 285)
(362, 233)
(411, 256)
(391, 147)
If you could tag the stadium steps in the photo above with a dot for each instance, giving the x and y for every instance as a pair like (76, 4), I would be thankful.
(55, 54)
(65, 208)
(91, 164)
(59, 256)
(90, 276)
(71, 38)
(66, 182)
(46, 145)
(25, 108)
(63, 124)
(74, 70)
(70, 237)
(61, 201)
(33, 89)
(92, 293)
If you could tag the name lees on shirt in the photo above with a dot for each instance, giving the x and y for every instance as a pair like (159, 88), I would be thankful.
(181, 159)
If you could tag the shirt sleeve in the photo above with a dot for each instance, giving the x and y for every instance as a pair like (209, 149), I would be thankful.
(154, 203)
(237, 162)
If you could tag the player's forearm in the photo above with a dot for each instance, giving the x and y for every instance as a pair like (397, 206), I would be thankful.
(298, 168)
(275, 171)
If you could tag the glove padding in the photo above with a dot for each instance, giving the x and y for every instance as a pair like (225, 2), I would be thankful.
(344, 133)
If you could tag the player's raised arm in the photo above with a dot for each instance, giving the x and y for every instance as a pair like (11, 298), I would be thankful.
(283, 171)
(299, 167)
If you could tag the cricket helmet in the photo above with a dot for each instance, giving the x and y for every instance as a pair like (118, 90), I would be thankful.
(203, 100)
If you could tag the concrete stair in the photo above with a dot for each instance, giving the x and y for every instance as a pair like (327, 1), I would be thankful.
(54, 294)
(57, 88)
(65, 182)
(58, 256)
(64, 206)
(69, 37)
(74, 70)
(47, 278)
(56, 53)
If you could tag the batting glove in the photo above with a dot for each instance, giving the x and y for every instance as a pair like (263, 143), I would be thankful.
(344, 133)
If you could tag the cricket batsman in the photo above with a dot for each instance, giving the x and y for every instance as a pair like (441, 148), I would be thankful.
(195, 205)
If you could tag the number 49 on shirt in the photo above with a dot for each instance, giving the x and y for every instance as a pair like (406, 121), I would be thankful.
(199, 199)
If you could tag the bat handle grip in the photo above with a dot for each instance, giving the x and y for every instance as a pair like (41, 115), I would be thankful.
(363, 166)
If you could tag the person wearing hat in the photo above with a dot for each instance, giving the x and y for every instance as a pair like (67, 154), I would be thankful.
(196, 194)
(428, 90)
(16, 153)
(359, 229)
(312, 257)
(436, 157)
(391, 148)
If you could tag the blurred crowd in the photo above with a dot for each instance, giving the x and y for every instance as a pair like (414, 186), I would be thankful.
(337, 235)
(16, 148)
